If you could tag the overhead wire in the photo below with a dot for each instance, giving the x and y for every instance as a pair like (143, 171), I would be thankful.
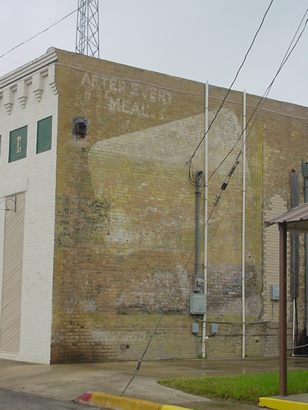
(225, 182)
(191, 171)
(38, 34)
(215, 204)
(258, 107)
(170, 299)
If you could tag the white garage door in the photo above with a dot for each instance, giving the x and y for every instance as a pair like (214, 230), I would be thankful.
(12, 274)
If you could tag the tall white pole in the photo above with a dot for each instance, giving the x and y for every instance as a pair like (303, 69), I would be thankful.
(206, 176)
(244, 228)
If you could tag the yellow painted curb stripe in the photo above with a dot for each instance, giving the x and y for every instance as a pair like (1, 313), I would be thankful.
(281, 404)
(123, 403)
(128, 403)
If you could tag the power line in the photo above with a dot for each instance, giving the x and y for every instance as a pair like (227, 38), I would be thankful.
(217, 200)
(191, 175)
(139, 362)
(226, 181)
(37, 34)
(258, 107)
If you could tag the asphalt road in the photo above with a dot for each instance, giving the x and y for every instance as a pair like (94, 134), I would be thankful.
(10, 400)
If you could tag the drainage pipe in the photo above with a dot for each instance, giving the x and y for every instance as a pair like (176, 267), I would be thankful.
(294, 256)
(206, 200)
(244, 228)
(199, 175)
(293, 325)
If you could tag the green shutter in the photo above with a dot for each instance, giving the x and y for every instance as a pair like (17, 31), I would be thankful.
(43, 141)
(18, 144)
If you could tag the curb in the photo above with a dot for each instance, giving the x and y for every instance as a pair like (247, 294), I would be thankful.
(281, 404)
(122, 403)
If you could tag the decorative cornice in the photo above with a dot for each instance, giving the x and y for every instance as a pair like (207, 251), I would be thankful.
(28, 69)
(16, 86)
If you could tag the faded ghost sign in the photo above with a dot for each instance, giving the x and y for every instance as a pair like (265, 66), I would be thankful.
(127, 96)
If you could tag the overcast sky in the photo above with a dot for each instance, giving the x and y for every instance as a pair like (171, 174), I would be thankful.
(197, 39)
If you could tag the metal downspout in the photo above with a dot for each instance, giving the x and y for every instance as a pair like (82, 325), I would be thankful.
(244, 230)
(206, 194)
(199, 175)
(294, 256)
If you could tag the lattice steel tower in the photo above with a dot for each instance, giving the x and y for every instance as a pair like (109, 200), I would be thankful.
(87, 33)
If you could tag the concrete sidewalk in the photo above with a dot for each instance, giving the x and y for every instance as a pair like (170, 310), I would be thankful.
(66, 382)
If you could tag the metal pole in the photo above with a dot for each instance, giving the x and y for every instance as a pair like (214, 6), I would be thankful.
(244, 230)
(206, 196)
(283, 309)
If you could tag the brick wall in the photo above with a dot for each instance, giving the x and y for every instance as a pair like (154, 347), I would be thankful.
(119, 250)
(124, 237)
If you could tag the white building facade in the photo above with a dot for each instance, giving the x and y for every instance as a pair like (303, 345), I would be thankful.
(28, 129)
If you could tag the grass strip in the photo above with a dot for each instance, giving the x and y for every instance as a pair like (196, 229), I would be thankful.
(246, 387)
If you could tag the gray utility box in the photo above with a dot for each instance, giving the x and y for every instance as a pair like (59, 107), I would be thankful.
(214, 329)
(195, 328)
(197, 304)
(274, 292)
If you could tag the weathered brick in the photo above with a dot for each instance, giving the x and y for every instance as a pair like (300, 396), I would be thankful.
(125, 213)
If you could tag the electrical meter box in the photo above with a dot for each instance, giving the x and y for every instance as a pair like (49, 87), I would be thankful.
(214, 329)
(197, 304)
(195, 328)
(274, 292)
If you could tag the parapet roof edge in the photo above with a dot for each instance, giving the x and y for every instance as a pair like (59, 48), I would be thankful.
(27, 69)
